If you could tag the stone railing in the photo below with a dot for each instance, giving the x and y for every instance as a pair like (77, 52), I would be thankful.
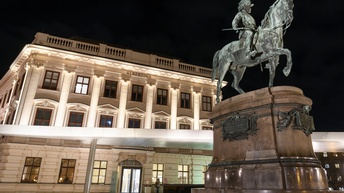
(104, 50)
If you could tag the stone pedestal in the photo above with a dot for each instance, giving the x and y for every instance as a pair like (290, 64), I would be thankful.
(262, 143)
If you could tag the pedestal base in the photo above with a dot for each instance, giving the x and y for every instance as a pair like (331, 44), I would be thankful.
(262, 143)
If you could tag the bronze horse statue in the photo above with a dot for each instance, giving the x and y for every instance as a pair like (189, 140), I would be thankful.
(268, 42)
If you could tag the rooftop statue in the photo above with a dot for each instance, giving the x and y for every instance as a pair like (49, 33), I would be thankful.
(255, 44)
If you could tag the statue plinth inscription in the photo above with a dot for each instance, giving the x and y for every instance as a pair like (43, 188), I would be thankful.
(262, 142)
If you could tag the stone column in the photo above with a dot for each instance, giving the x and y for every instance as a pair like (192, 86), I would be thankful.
(122, 104)
(65, 90)
(149, 106)
(92, 113)
(33, 74)
(196, 109)
(174, 106)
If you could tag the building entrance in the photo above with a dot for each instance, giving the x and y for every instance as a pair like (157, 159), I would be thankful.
(131, 178)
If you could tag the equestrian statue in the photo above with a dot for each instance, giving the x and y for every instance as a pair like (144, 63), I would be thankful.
(255, 44)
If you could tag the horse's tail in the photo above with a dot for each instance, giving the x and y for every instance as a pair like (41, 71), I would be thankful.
(215, 66)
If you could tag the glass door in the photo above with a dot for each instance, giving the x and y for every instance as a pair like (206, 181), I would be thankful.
(131, 180)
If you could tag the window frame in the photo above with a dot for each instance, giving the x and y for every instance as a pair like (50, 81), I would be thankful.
(134, 122)
(206, 103)
(159, 124)
(42, 120)
(33, 178)
(50, 85)
(181, 174)
(110, 91)
(82, 84)
(185, 100)
(62, 177)
(98, 175)
(106, 117)
(184, 127)
(162, 96)
(75, 123)
(157, 172)
(137, 93)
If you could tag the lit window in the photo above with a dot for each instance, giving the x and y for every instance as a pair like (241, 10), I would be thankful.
(67, 171)
(335, 155)
(110, 89)
(105, 121)
(82, 84)
(50, 80)
(75, 119)
(325, 154)
(158, 171)
(161, 97)
(99, 172)
(327, 165)
(183, 174)
(185, 100)
(336, 165)
(31, 170)
(137, 93)
(42, 117)
(206, 103)
(134, 123)
(160, 125)
(184, 126)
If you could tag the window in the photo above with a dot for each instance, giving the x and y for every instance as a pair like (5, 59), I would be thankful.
(110, 89)
(50, 80)
(75, 119)
(67, 171)
(207, 128)
(105, 121)
(42, 117)
(184, 126)
(99, 172)
(335, 154)
(206, 103)
(160, 125)
(183, 174)
(134, 123)
(327, 165)
(336, 165)
(185, 100)
(161, 97)
(81, 86)
(204, 171)
(137, 93)
(31, 170)
(158, 171)
(325, 154)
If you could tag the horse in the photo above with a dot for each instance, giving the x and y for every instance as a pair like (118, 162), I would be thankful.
(268, 41)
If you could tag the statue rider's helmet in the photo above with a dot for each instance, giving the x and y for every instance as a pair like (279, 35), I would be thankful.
(244, 3)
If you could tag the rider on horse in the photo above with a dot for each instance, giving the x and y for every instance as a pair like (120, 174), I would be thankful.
(245, 23)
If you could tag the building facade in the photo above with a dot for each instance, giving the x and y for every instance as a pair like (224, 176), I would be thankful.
(99, 118)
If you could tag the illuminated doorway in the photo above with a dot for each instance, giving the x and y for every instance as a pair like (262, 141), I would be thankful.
(131, 176)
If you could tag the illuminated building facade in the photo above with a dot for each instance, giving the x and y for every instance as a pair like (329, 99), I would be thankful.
(80, 116)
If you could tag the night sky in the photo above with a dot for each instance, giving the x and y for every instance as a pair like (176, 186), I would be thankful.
(191, 31)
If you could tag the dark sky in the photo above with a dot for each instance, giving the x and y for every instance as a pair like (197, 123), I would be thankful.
(191, 31)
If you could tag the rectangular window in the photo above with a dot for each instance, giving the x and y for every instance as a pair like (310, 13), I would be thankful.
(82, 83)
(158, 171)
(204, 171)
(75, 119)
(185, 100)
(325, 154)
(50, 80)
(99, 172)
(134, 123)
(207, 128)
(160, 125)
(184, 126)
(31, 170)
(110, 89)
(161, 98)
(206, 103)
(42, 117)
(105, 121)
(183, 174)
(137, 93)
(336, 165)
(67, 171)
